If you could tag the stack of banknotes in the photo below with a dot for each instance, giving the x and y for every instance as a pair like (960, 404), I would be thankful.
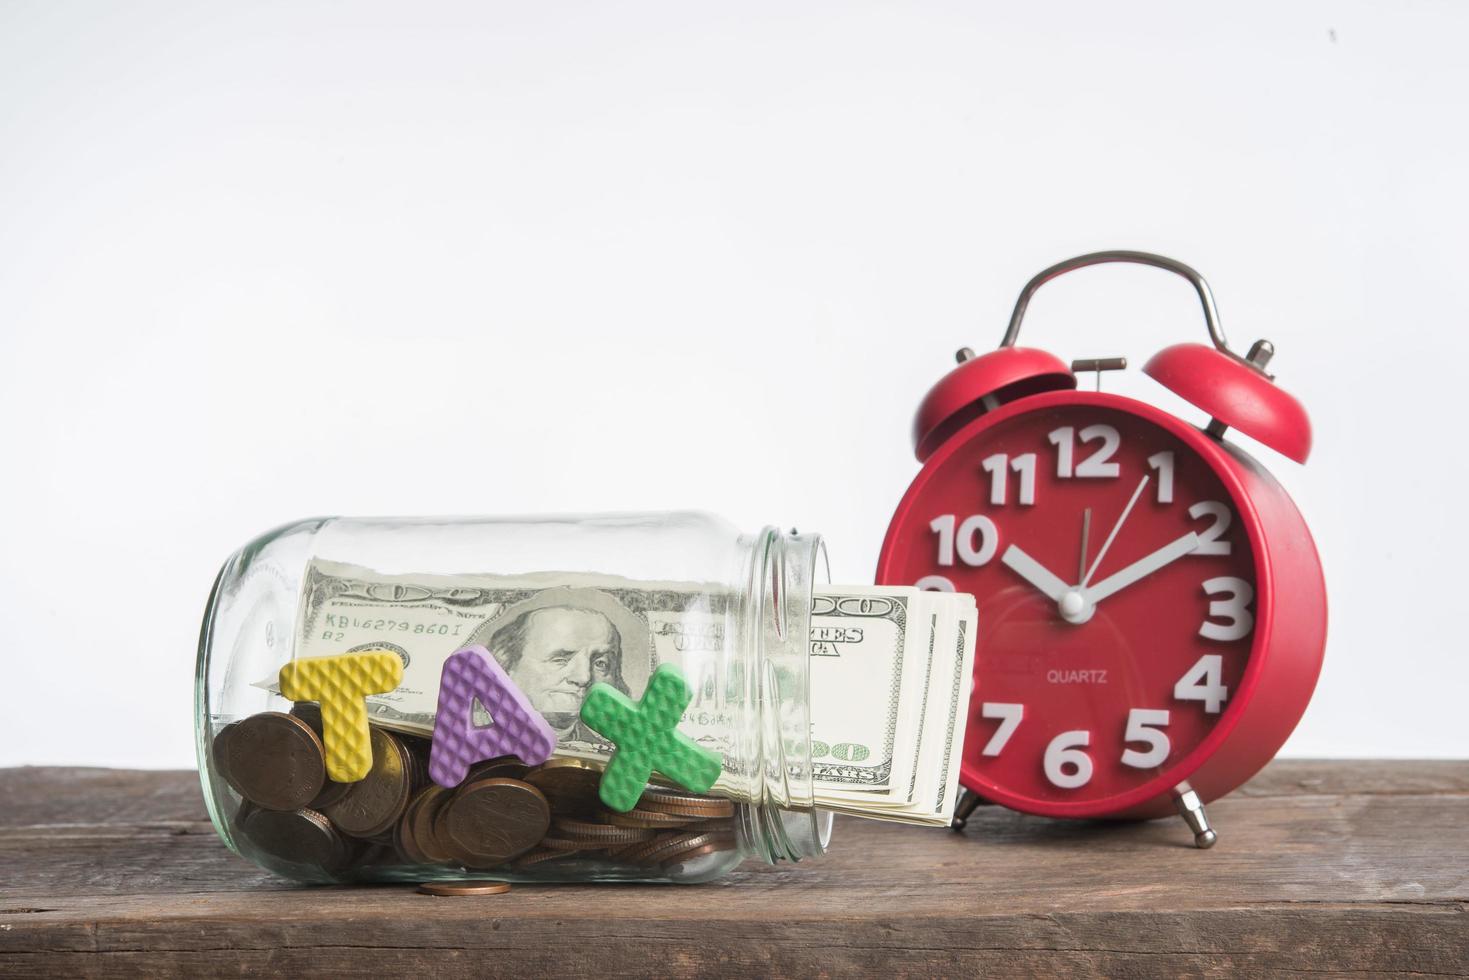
(890, 668)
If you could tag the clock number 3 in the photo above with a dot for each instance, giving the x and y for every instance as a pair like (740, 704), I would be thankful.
(1234, 608)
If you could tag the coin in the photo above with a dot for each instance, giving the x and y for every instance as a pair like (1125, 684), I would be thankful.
(567, 844)
(274, 760)
(538, 856)
(569, 785)
(607, 834)
(372, 804)
(420, 816)
(490, 821)
(698, 851)
(217, 751)
(331, 792)
(298, 836)
(645, 818)
(309, 712)
(448, 889)
(405, 843)
(668, 845)
(685, 804)
(503, 767)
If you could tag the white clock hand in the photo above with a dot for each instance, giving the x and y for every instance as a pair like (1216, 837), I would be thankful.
(1142, 568)
(1112, 537)
(1035, 573)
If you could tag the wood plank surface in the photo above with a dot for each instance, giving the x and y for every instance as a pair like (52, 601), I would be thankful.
(1332, 867)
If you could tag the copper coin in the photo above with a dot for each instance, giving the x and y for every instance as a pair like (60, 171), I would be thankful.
(420, 816)
(490, 821)
(416, 752)
(645, 818)
(309, 712)
(331, 792)
(500, 767)
(634, 853)
(275, 761)
(297, 836)
(218, 753)
(658, 851)
(685, 804)
(606, 834)
(374, 803)
(713, 847)
(568, 844)
(449, 889)
(569, 785)
(404, 842)
(538, 856)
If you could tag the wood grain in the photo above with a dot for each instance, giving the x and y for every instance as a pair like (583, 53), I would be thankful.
(1326, 867)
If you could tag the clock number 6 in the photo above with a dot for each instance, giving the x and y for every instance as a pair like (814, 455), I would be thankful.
(963, 542)
(1066, 765)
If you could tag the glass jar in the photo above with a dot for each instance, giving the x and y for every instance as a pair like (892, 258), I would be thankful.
(560, 603)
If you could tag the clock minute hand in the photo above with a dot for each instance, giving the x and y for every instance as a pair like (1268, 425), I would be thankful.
(1142, 568)
(1035, 573)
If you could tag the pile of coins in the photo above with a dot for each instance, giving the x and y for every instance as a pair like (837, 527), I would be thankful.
(504, 816)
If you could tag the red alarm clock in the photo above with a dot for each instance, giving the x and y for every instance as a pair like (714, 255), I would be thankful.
(1152, 612)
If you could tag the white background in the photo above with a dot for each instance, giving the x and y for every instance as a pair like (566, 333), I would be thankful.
(265, 261)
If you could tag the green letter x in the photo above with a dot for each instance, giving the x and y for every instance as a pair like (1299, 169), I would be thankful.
(646, 740)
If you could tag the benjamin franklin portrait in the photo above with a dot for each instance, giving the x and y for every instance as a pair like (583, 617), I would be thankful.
(556, 645)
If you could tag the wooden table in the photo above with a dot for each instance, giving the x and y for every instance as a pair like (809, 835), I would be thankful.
(1339, 867)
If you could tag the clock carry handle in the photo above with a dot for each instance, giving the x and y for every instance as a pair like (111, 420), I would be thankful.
(1236, 391)
(1201, 286)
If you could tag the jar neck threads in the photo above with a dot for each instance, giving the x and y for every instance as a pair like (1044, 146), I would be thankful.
(782, 825)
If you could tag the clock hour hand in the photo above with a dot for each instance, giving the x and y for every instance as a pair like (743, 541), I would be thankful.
(1035, 573)
(1142, 568)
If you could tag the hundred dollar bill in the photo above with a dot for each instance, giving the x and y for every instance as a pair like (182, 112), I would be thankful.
(932, 795)
(867, 649)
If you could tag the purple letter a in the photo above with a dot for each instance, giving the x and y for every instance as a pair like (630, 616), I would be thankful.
(516, 728)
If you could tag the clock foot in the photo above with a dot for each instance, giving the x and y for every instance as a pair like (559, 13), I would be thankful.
(969, 801)
(1191, 808)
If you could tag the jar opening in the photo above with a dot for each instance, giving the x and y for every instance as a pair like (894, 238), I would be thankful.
(783, 573)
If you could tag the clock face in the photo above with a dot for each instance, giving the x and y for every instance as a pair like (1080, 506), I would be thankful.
(1116, 597)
